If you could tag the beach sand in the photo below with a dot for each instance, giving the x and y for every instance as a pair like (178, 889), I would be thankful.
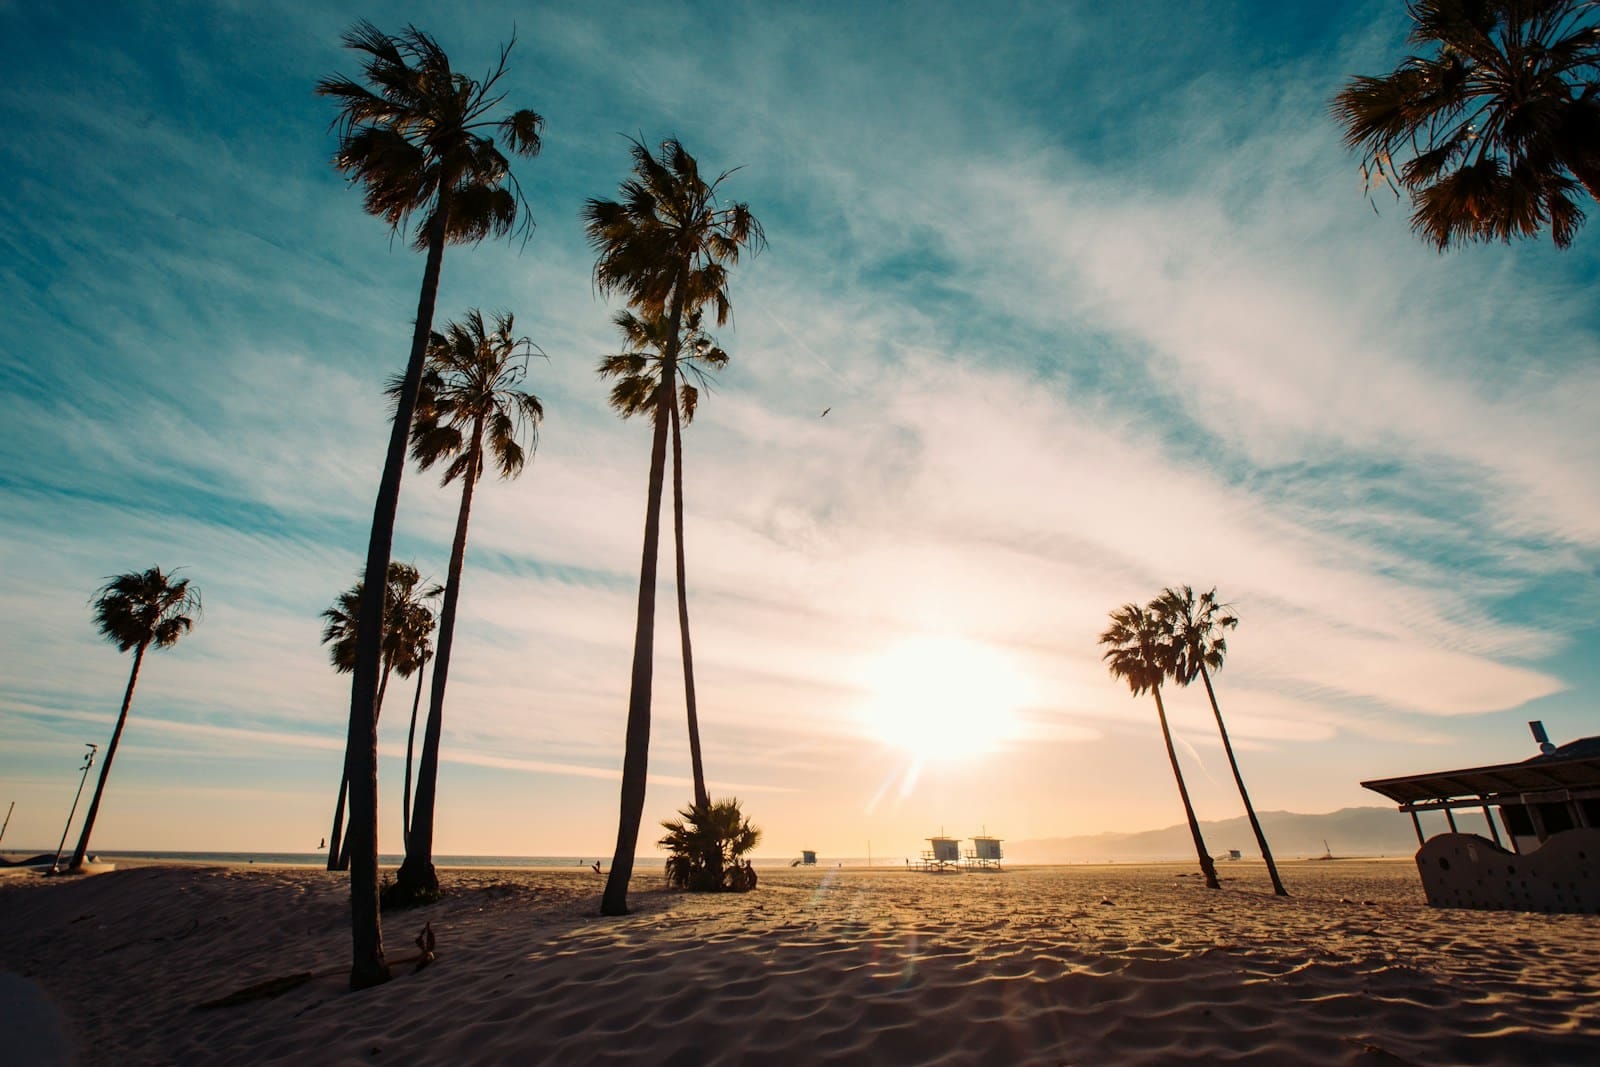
(1058, 965)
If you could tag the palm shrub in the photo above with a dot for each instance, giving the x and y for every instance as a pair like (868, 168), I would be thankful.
(706, 846)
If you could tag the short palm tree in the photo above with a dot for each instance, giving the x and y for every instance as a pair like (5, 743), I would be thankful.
(136, 611)
(1199, 645)
(470, 410)
(706, 846)
(1497, 125)
(666, 246)
(418, 138)
(404, 606)
(1138, 649)
(638, 372)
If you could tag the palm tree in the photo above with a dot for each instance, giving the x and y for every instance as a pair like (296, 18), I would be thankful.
(639, 370)
(417, 141)
(1197, 626)
(666, 246)
(1498, 125)
(135, 611)
(706, 845)
(1138, 650)
(404, 610)
(470, 408)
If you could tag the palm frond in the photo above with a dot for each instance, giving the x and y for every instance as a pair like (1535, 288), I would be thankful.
(143, 608)
(410, 136)
(1493, 128)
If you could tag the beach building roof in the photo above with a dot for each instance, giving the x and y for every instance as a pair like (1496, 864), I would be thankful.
(1575, 765)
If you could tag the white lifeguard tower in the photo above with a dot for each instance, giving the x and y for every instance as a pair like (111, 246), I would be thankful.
(943, 857)
(985, 854)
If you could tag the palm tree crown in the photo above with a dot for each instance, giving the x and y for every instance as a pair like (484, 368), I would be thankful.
(640, 368)
(416, 138)
(668, 243)
(1196, 626)
(471, 381)
(1498, 128)
(145, 608)
(1138, 648)
(406, 626)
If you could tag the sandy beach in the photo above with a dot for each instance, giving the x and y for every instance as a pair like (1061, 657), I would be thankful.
(1079, 965)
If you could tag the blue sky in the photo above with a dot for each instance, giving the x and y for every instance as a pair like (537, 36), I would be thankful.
(1097, 303)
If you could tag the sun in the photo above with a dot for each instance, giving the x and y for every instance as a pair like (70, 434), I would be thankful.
(944, 698)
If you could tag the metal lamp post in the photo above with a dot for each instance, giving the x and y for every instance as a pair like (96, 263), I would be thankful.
(88, 761)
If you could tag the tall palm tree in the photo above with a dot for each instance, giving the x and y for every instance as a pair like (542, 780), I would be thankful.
(470, 409)
(135, 611)
(416, 137)
(1199, 645)
(639, 370)
(1138, 650)
(666, 246)
(404, 608)
(1497, 124)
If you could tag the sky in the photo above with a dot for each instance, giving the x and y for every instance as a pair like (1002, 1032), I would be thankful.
(1092, 295)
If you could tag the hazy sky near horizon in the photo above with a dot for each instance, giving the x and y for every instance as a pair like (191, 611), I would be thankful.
(1097, 304)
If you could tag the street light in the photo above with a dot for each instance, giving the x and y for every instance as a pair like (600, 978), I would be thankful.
(88, 761)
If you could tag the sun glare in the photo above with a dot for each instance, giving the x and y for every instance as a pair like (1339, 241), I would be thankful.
(944, 698)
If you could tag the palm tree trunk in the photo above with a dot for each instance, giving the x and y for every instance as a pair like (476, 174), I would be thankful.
(636, 751)
(338, 845)
(336, 838)
(368, 967)
(1207, 868)
(701, 797)
(416, 875)
(1238, 779)
(411, 740)
(105, 768)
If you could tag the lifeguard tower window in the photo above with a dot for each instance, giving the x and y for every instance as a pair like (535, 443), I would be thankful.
(1556, 818)
(1518, 822)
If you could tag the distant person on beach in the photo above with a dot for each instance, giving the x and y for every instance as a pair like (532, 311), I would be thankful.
(595, 866)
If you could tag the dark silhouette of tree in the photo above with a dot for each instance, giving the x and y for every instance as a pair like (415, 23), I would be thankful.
(706, 846)
(1199, 645)
(417, 137)
(424, 654)
(404, 627)
(135, 611)
(1138, 649)
(666, 246)
(469, 409)
(1494, 130)
(639, 371)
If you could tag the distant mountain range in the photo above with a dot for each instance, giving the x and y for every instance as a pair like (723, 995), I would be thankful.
(1373, 831)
